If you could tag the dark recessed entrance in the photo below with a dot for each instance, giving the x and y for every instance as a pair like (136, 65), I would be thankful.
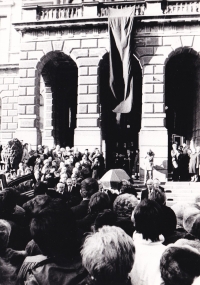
(61, 74)
(126, 132)
(182, 88)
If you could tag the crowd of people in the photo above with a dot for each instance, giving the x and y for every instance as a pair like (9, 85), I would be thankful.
(74, 231)
(185, 162)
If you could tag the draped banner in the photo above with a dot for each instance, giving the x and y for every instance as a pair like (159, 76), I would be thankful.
(120, 24)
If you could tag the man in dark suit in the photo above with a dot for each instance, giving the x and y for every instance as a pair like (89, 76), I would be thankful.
(145, 193)
(89, 186)
(73, 193)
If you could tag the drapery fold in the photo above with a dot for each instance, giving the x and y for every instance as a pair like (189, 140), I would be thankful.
(120, 24)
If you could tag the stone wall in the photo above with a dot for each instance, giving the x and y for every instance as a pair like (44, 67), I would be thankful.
(9, 80)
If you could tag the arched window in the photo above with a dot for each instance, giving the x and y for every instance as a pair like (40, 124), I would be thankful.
(41, 112)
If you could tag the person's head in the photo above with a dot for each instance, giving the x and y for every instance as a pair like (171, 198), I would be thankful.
(98, 202)
(147, 218)
(36, 204)
(67, 148)
(54, 164)
(156, 183)
(128, 151)
(63, 170)
(54, 229)
(89, 186)
(58, 147)
(5, 230)
(60, 187)
(63, 178)
(150, 184)
(96, 150)
(50, 159)
(124, 205)
(46, 162)
(8, 200)
(46, 150)
(108, 255)
(84, 157)
(158, 196)
(106, 218)
(179, 265)
(78, 165)
(125, 182)
(37, 175)
(27, 170)
(69, 182)
(96, 160)
(7, 276)
(86, 151)
(26, 146)
(74, 180)
(21, 165)
(174, 146)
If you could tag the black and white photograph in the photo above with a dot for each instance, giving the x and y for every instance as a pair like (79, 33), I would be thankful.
(99, 142)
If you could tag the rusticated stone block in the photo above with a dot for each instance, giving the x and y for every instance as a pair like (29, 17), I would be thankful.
(8, 93)
(88, 61)
(8, 80)
(48, 115)
(12, 99)
(12, 126)
(155, 78)
(22, 72)
(148, 69)
(156, 59)
(158, 88)
(45, 46)
(16, 80)
(148, 108)
(27, 123)
(93, 108)
(15, 119)
(48, 133)
(104, 43)
(3, 87)
(154, 97)
(13, 86)
(31, 90)
(174, 42)
(70, 44)
(4, 112)
(31, 72)
(159, 69)
(93, 70)
(88, 99)
(49, 108)
(187, 41)
(88, 80)
(80, 52)
(95, 51)
(164, 50)
(12, 113)
(7, 135)
(153, 41)
(1, 80)
(31, 63)
(48, 123)
(4, 126)
(82, 108)
(22, 91)
(27, 81)
(57, 45)
(23, 55)
(196, 42)
(83, 71)
(153, 122)
(89, 43)
(7, 106)
(82, 89)
(148, 88)
(26, 100)
(35, 54)
(30, 109)
(140, 51)
(87, 122)
(93, 89)
(7, 119)
(5, 100)
(158, 108)
(22, 109)
(28, 46)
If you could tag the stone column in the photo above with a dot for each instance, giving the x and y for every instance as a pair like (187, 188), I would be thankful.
(153, 134)
(47, 138)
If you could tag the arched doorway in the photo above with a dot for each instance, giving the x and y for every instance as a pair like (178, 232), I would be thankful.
(124, 135)
(182, 90)
(61, 74)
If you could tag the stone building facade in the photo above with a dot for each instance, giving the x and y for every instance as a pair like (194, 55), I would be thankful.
(56, 85)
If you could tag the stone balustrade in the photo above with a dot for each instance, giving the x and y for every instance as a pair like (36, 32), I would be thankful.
(92, 10)
(182, 7)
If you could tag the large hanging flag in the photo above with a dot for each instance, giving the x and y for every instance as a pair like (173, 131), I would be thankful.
(120, 23)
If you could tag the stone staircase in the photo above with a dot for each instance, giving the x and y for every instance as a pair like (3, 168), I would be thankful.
(175, 191)
(181, 192)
